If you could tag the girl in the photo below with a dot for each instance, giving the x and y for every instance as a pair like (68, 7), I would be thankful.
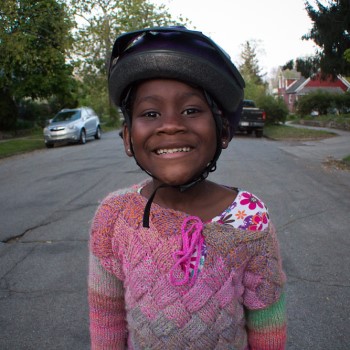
(179, 262)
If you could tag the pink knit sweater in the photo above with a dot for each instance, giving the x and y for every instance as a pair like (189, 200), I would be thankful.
(236, 301)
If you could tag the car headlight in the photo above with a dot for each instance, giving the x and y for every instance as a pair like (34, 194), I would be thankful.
(72, 127)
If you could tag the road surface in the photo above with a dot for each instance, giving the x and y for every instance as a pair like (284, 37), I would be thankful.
(48, 198)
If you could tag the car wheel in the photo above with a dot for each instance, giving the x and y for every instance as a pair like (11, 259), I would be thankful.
(258, 133)
(98, 133)
(49, 145)
(82, 138)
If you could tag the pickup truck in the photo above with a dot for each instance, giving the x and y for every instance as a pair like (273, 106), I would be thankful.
(252, 119)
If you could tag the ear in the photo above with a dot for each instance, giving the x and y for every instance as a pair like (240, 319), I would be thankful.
(127, 141)
(225, 135)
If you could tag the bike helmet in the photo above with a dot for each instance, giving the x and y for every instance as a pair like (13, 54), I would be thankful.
(181, 54)
(176, 53)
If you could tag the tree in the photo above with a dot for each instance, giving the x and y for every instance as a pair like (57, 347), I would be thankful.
(99, 23)
(308, 66)
(249, 67)
(331, 32)
(251, 71)
(275, 109)
(34, 37)
(347, 55)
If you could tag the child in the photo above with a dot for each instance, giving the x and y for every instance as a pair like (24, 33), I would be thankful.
(179, 262)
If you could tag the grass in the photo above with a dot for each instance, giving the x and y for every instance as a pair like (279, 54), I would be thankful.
(29, 141)
(20, 145)
(339, 119)
(284, 132)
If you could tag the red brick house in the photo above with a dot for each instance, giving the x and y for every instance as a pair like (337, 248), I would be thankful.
(291, 85)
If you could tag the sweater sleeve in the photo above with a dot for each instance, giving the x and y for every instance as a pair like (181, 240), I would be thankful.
(267, 328)
(108, 326)
(264, 298)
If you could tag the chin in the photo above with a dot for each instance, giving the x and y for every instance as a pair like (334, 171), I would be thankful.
(174, 180)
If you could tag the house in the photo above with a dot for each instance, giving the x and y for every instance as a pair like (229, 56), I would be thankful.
(291, 86)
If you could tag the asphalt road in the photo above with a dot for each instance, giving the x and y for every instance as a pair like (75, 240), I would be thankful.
(48, 198)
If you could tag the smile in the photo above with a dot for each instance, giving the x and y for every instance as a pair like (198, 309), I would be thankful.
(172, 150)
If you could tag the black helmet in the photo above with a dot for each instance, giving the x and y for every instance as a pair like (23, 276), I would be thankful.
(176, 53)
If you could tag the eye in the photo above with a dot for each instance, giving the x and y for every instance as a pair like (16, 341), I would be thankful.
(190, 111)
(150, 114)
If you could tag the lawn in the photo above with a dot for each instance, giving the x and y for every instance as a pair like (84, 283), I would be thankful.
(21, 145)
(284, 132)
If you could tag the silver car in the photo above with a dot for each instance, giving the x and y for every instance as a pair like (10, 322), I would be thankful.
(72, 125)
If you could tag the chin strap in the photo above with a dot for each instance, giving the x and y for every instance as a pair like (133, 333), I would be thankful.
(147, 209)
(182, 188)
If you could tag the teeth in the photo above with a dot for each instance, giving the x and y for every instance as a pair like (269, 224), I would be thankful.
(173, 150)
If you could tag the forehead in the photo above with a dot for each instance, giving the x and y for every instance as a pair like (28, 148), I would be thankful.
(166, 88)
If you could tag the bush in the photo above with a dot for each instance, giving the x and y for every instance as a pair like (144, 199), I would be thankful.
(323, 102)
(35, 112)
(276, 109)
(8, 112)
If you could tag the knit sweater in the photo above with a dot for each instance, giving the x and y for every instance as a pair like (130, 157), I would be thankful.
(236, 302)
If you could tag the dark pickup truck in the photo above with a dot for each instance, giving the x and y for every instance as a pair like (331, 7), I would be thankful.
(252, 119)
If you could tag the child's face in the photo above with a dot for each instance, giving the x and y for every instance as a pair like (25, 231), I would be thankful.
(173, 131)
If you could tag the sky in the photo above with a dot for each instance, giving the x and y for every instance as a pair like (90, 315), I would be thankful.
(276, 25)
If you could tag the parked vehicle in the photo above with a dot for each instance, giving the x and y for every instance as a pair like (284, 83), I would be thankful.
(252, 119)
(72, 125)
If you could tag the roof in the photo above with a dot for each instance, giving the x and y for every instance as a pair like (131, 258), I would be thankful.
(294, 86)
(301, 87)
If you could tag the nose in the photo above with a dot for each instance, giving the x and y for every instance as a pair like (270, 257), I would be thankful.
(171, 122)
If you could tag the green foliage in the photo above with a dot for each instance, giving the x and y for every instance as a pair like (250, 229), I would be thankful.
(284, 132)
(319, 101)
(276, 109)
(17, 146)
(254, 91)
(323, 102)
(93, 93)
(289, 65)
(34, 37)
(249, 67)
(8, 112)
(308, 66)
(330, 31)
(347, 55)
(33, 113)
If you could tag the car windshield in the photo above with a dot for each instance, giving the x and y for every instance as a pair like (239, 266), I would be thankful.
(248, 103)
(67, 116)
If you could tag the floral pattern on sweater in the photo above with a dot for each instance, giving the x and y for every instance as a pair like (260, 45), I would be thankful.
(133, 305)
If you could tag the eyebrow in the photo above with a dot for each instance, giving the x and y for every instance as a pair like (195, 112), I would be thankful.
(156, 97)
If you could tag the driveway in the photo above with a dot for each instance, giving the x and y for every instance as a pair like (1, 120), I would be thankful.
(335, 147)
